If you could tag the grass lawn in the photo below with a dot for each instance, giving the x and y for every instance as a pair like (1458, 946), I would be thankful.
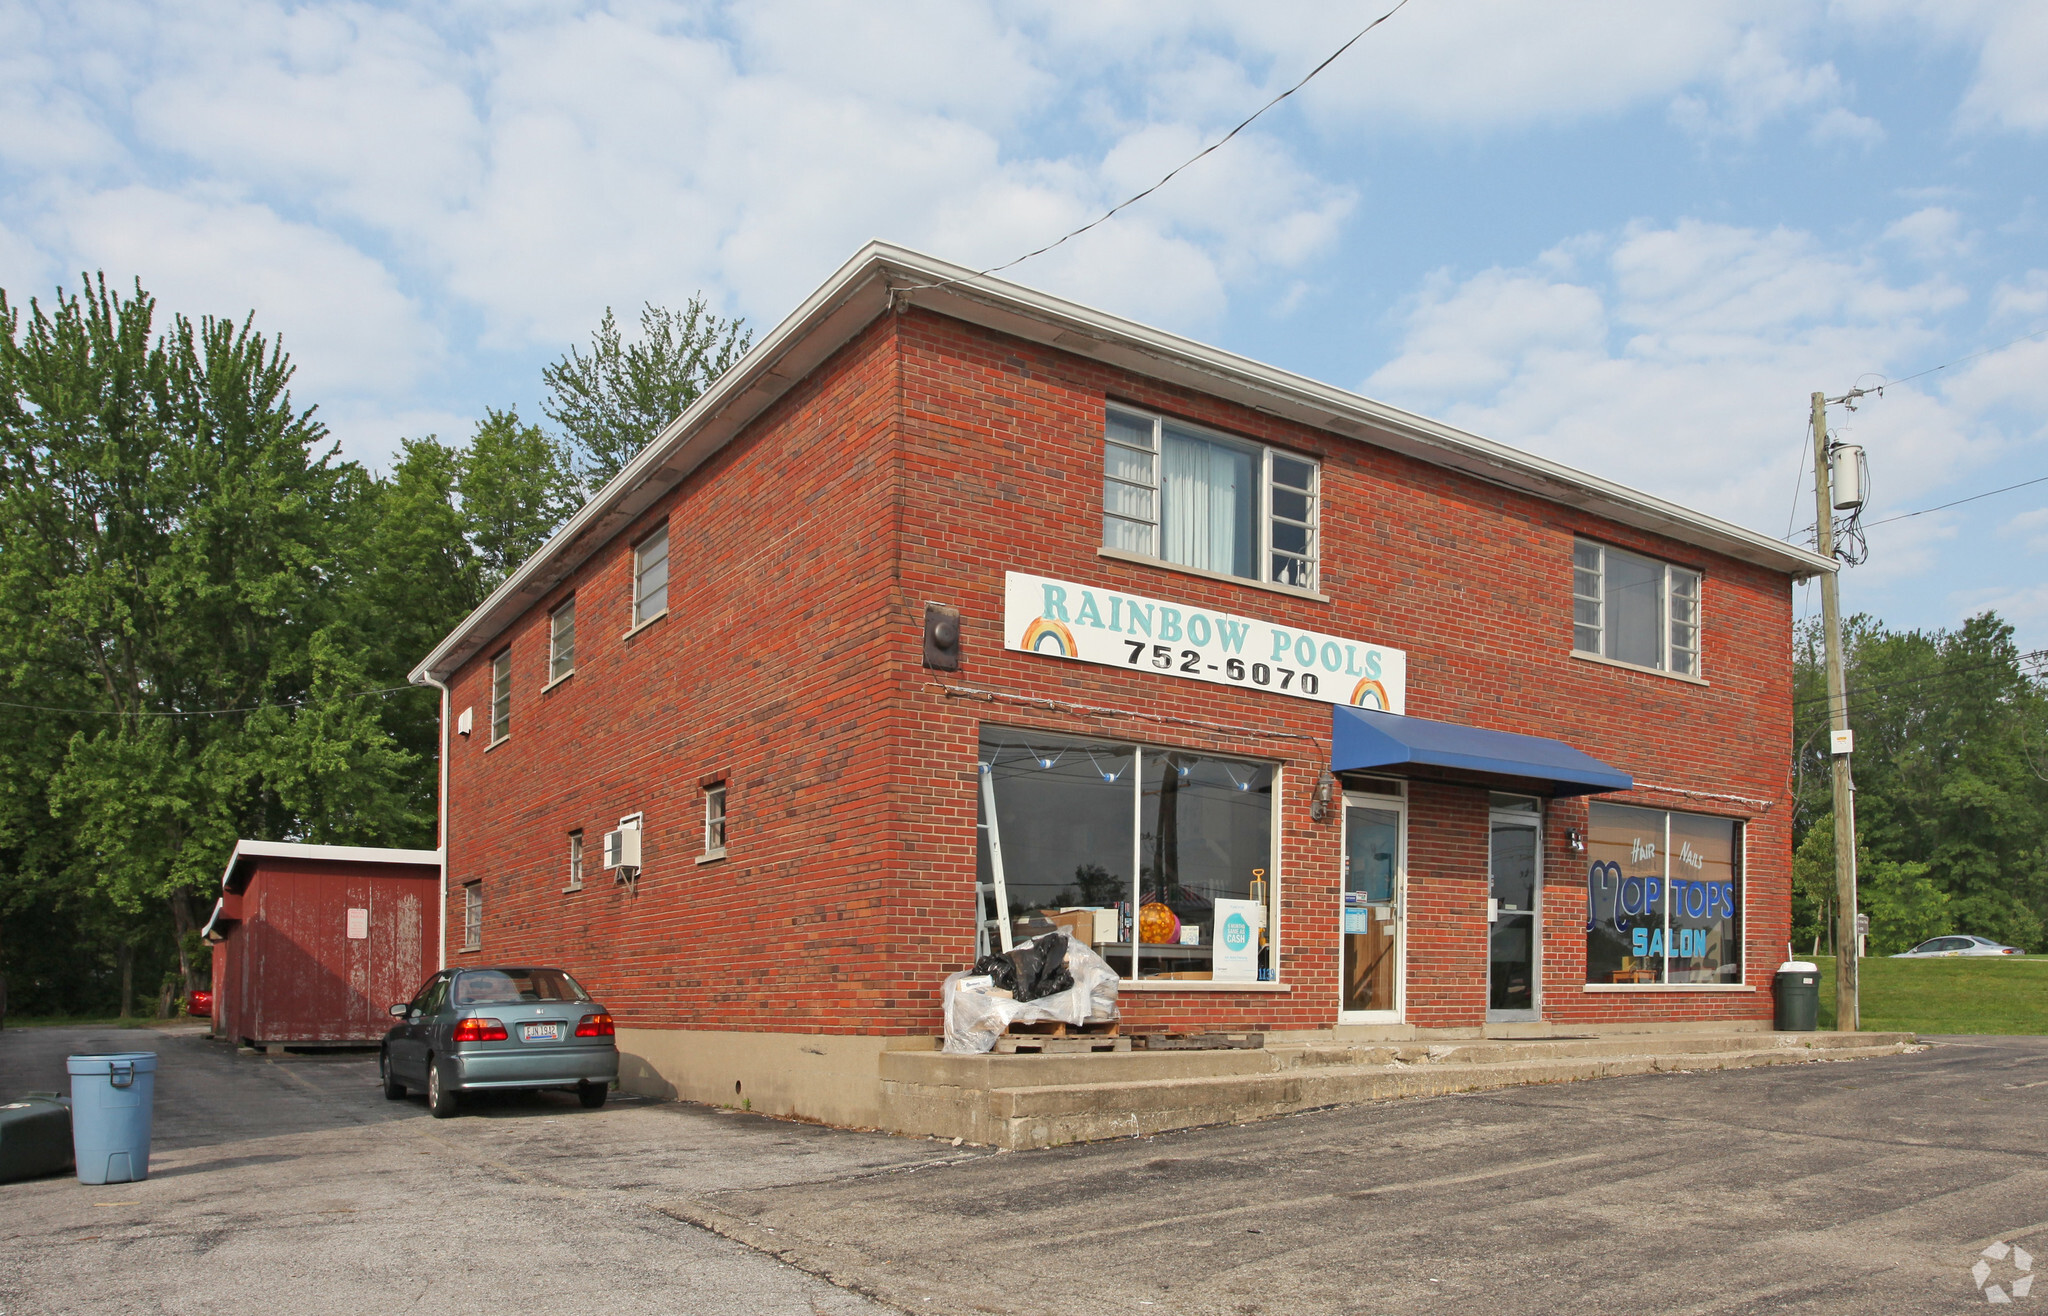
(2005, 994)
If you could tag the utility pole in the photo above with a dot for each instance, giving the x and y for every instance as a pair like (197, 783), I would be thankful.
(1847, 1015)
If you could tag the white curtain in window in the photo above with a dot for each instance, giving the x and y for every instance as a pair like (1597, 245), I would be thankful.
(1206, 494)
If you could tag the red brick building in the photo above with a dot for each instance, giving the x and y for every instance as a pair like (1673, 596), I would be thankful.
(1179, 575)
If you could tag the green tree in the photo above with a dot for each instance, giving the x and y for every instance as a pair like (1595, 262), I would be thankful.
(173, 547)
(517, 485)
(1951, 800)
(612, 402)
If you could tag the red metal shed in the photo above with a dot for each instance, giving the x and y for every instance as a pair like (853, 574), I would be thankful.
(312, 943)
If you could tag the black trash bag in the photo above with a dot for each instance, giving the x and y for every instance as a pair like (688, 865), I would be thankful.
(1001, 970)
(1042, 967)
(1032, 971)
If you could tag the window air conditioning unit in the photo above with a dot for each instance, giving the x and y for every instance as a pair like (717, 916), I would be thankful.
(622, 848)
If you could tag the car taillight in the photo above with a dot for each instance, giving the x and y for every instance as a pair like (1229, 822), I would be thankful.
(596, 1025)
(479, 1030)
(2010, 950)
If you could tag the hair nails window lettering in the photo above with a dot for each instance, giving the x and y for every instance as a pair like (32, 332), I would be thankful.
(1663, 897)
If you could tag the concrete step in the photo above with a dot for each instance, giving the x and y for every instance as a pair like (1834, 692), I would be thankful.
(1034, 1101)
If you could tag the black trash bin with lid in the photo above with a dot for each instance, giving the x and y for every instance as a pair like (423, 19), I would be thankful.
(1798, 990)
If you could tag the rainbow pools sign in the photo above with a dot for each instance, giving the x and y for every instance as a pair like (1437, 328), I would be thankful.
(1088, 624)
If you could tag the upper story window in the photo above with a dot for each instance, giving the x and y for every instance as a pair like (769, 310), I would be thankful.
(1208, 501)
(1635, 610)
(501, 696)
(562, 641)
(575, 861)
(714, 820)
(650, 577)
(473, 916)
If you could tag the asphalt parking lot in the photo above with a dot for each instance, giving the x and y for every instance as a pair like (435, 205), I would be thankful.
(288, 1183)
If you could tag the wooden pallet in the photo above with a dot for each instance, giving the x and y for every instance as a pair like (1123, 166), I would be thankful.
(1203, 1041)
(1046, 1045)
(1061, 1028)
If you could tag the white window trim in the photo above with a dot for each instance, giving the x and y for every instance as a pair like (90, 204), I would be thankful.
(504, 656)
(1396, 803)
(1699, 608)
(636, 622)
(714, 853)
(472, 916)
(1262, 552)
(1742, 983)
(1274, 895)
(579, 857)
(569, 605)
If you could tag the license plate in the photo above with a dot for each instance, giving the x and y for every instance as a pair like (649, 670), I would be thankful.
(540, 1032)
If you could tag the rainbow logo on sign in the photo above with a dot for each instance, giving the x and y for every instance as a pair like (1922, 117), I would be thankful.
(1045, 628)
(1373, 690)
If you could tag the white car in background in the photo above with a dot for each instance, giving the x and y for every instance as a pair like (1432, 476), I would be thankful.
(1947, 947)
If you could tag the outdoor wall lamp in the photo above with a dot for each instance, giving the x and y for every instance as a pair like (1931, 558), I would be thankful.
(1574, 841)
(1319, 807)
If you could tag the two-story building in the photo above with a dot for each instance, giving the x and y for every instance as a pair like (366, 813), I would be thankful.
(956, 609)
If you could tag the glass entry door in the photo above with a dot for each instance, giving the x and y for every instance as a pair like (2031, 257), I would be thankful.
(1514, 965)
(1374, 883)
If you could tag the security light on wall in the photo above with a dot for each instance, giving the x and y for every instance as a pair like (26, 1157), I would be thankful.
(464, 720)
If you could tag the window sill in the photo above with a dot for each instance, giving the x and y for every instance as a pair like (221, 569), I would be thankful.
(1585, 657)
(1139, 559)
(645, 624)
(1656, 987)
(573, 886)
(710, 856)
(1197, 985)
(501, 740)
(558, 680)
(470, 950)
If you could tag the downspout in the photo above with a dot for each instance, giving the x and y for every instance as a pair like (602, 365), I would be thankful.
(441, 818)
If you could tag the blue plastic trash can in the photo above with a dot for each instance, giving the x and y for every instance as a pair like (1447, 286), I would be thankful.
(111, 1097)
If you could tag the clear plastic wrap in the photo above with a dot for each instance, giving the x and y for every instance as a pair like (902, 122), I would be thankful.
(977, 1012)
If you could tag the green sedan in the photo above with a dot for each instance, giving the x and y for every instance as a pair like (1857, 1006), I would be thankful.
(471, 1030)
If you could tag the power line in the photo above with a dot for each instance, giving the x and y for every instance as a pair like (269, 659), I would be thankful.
(1855, 393)
(2036, 657)
(2039, 479)
(197, 712)
(1133, 200)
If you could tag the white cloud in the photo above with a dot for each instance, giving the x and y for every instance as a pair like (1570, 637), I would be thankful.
(1679, 359)
(2024, 297)
(1839, 126)
(1932, 233)
(340, 314)
(2011, 87)
(2030, 528)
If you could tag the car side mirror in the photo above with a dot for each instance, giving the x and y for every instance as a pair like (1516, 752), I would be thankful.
(398, 1010)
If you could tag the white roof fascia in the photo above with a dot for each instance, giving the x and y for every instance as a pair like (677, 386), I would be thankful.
(881, 274)
(356, 854)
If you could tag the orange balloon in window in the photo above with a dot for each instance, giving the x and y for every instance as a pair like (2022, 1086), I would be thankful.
(1158, 924)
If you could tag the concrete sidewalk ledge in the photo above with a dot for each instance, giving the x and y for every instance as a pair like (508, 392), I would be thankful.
(1044, 1101)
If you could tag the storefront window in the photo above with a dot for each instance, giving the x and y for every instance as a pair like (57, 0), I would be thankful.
(1149, 855)
(1663, 893)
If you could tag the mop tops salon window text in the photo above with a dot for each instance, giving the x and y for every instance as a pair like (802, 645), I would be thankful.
(1663, 897)
(1208, 502)
(1159, 859)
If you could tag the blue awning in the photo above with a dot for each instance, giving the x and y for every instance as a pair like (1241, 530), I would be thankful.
(1361, 739)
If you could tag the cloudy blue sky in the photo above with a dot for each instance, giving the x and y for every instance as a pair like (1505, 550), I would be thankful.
(1633, 237)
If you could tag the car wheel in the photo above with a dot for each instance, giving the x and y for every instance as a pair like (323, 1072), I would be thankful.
(440, 1095)
(592, 1095)
(393, 1089)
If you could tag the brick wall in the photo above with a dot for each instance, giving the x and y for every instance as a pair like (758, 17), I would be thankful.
(920, 463)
